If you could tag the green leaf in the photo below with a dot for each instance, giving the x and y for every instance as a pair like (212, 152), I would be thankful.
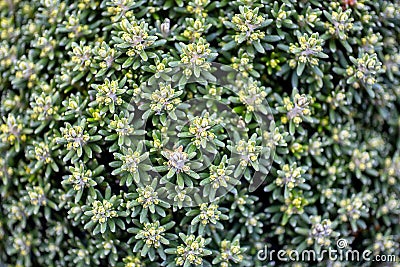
(143, 56)
(270, 187)
(272, 38)
(103, 227)
(285, 219)
(138, 246)
(300, 68)
(111, 224)
(144, 251)
(96, 229)
(229, 46)
(128, 62)
(258, 47)
(120, 224)
(78, 196)
(88, 151)
(292, 127)
(180, 181)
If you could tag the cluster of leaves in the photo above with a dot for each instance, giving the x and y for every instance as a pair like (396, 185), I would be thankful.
(79, 183)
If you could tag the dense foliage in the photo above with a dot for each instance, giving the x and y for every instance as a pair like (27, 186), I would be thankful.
(89, 175)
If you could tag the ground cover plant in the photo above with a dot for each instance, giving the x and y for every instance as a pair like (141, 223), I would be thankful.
(198, 133)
